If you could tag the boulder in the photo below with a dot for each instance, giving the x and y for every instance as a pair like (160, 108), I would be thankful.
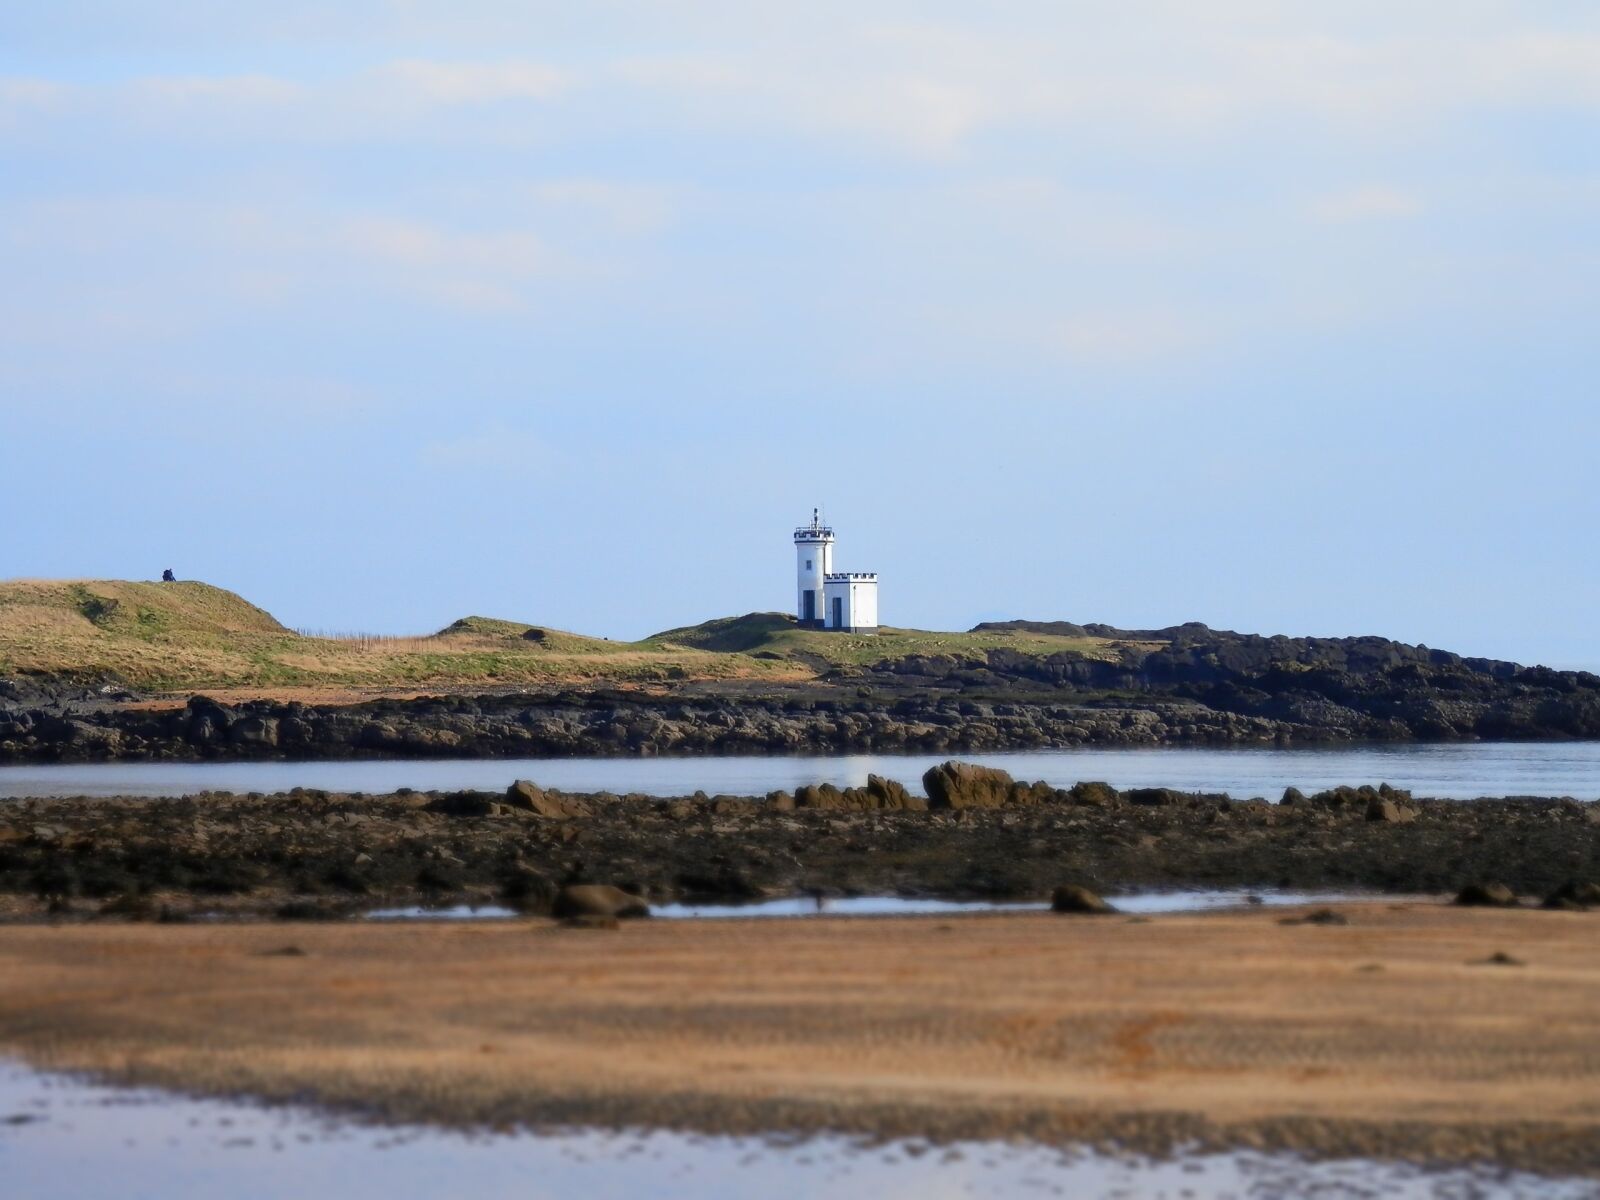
(528, 890)
(1154, 797)
(254, 731)
(1094, 795)
(890, 793)
(963, 785)
(1574, 896)
(465, 804)
(1390, 812)
(1023, 794)
(1486, 895)
(530, 797)
(1072, 898)
(597, 900)
(819, 795)
(1293, 795)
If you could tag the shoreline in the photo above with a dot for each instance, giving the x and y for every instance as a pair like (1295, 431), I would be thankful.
(1386, 1038)
(1002, 700)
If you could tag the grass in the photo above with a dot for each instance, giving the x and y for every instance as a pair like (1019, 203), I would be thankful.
(179, 637)
(778, 634)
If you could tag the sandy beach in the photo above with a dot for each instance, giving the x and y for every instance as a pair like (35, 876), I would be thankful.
(1397, 1034)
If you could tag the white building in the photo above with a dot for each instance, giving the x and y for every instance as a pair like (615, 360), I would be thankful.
(843, 600)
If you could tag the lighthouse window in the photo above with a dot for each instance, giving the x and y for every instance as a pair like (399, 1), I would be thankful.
(808, 564)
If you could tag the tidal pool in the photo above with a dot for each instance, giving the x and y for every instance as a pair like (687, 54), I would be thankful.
(64, 1139)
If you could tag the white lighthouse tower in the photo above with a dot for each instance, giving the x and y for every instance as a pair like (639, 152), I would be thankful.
(813, 550)
(843, 601)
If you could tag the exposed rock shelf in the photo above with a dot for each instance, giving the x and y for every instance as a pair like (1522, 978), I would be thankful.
(977, 834)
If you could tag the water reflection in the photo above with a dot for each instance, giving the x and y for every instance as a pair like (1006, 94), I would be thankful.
(61, 1139)
(1133, 903)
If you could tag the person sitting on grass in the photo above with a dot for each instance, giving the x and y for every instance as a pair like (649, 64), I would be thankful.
(168, 577)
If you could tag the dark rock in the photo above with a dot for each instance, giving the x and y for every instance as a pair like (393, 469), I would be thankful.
(1574, 896)
(1486, 895)
(528, 890)
(311, 910)
(1153, 797)
(1498, 959)
(1391, 813)
(254, 731)
(465, 804)
(597, 900)
(1094, 795)
(1073, 898)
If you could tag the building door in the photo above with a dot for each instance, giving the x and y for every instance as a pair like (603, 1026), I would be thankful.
(809, 605)
(838, 612)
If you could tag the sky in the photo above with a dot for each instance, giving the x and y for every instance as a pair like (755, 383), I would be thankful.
(1277, 316)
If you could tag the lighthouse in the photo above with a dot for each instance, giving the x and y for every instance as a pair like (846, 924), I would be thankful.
(813, 552)
(842, 601)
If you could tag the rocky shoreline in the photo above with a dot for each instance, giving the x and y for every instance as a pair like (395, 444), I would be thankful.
(975, 835)
(1197, 687)
(599, 724)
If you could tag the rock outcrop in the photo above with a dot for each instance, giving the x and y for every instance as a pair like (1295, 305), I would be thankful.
(1486, 895)
(598, 900)
(329, 853)
(1073, 898)
(957, 785)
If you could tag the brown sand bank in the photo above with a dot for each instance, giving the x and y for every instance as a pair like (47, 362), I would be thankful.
(1388, 1036)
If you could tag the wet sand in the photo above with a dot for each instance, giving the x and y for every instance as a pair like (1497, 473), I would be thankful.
(1391, 1036)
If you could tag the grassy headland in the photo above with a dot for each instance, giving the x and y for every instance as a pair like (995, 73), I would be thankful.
(178, 637)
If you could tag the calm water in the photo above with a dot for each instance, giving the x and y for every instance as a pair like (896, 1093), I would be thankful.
(61, 1139)
(1461, 771)
(1135, 903)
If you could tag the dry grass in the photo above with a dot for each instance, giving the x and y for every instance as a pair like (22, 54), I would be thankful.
(182, 637)
(186, 636)
(1387, 1035)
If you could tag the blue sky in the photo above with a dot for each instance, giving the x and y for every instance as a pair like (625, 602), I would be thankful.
(1279, 319)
